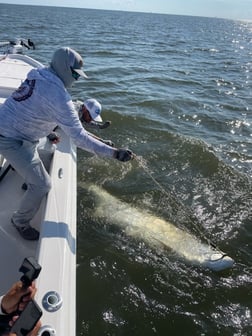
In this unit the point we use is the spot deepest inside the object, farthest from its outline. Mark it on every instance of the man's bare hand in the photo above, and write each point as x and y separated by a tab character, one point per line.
18	297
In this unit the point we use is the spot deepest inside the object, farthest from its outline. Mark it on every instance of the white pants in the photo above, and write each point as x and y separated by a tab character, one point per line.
24	158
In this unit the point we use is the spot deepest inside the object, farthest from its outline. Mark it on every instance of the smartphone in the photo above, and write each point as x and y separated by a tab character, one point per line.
27	319
30	269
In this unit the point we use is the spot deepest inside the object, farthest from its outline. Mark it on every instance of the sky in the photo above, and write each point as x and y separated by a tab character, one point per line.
231	9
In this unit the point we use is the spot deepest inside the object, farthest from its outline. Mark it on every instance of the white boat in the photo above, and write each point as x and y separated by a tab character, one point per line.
56	220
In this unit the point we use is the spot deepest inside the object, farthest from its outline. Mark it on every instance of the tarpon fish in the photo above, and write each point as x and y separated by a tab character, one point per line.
157	232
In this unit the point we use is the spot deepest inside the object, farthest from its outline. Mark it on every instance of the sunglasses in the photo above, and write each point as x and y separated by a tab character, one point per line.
75	74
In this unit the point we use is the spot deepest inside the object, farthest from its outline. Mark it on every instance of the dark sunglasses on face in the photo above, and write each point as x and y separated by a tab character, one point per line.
75	74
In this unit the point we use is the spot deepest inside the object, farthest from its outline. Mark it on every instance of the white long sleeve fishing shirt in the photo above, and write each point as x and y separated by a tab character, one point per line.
38	106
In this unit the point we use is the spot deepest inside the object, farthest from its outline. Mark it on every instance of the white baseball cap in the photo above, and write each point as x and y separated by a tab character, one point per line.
94	108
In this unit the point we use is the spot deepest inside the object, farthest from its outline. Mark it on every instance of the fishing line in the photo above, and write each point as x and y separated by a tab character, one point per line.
143	164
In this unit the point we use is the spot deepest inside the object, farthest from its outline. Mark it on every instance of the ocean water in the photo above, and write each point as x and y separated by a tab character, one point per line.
178	92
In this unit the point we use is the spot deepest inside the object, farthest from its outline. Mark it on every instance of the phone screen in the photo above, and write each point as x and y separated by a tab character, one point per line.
27	319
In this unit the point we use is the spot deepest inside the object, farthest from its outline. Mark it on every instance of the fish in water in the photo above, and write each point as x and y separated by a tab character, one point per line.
157	232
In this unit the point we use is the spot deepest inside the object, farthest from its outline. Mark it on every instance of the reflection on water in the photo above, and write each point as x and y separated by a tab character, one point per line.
178	92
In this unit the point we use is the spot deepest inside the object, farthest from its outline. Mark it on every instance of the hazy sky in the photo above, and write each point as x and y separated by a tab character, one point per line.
233	9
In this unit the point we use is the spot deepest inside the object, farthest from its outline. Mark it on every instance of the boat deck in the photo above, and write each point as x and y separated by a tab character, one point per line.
13	70
13	248
56	248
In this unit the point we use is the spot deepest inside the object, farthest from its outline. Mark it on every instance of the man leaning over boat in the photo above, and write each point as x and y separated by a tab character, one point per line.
40	104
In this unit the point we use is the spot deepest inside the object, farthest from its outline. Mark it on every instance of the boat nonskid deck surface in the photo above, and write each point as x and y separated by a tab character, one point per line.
13	70
56	248
13	247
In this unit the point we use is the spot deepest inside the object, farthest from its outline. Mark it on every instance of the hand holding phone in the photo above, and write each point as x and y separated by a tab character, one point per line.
27	319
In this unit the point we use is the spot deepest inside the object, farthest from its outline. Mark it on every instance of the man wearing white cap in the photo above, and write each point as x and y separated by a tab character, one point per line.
31	112
93	107
90	115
